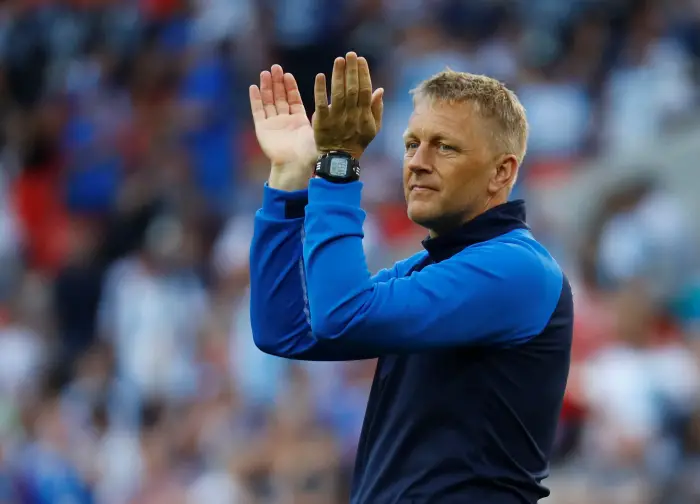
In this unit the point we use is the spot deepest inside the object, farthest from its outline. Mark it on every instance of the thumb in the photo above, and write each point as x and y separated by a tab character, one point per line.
378	106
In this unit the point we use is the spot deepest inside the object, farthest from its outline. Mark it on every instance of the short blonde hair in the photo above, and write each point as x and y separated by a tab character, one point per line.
491	98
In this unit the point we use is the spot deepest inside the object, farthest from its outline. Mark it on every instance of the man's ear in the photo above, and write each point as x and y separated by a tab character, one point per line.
506	174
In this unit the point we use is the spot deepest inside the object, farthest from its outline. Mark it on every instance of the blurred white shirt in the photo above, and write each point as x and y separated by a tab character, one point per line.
554	133
216	488
217	20
641	98
652	241
120	465
154	322
22	353
627	390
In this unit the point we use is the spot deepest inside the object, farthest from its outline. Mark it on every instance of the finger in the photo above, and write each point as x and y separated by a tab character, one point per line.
338	87
268	99
364	98
378	107
296	106
352	86
256	104
278	90
321	98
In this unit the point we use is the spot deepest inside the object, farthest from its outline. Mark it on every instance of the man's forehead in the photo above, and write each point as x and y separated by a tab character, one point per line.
440	119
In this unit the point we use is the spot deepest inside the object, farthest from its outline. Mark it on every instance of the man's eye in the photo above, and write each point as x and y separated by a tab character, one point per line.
445	147
411	145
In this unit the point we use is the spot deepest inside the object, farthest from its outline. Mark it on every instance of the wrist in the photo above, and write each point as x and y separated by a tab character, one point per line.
355	153
290	178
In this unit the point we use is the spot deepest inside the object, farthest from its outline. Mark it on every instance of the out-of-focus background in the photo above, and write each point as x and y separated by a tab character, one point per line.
129	178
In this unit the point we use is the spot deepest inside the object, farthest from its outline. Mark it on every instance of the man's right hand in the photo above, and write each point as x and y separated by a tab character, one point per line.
283	130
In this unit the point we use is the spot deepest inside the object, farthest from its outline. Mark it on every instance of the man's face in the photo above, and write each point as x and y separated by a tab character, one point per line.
449	164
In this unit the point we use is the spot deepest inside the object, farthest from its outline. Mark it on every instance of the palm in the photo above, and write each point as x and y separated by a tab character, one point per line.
281	125
286	139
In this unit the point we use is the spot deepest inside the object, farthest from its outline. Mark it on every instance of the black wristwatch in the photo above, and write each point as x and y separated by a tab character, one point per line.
338	166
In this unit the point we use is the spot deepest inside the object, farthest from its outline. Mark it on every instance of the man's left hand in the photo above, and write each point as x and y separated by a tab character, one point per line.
354	117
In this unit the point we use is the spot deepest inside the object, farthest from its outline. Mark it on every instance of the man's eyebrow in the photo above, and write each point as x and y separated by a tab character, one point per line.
443	136
438	135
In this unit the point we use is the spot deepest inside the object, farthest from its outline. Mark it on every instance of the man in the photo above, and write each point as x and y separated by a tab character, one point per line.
473	334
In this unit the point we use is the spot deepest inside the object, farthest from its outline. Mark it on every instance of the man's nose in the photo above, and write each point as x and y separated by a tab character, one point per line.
422	160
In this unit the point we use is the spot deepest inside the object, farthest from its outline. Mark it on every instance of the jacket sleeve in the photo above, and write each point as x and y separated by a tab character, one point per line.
500	292
279	308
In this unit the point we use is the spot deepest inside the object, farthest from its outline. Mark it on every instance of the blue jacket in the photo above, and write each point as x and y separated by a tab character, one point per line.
473	337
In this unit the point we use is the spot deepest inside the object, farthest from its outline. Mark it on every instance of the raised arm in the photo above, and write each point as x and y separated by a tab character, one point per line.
279	297
279	308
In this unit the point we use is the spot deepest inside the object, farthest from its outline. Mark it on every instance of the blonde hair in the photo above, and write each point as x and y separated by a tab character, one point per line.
491	98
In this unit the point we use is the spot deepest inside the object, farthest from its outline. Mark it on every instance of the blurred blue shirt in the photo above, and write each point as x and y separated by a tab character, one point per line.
207	84
51	479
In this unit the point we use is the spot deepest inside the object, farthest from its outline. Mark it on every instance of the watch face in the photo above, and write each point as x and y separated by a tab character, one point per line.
338	167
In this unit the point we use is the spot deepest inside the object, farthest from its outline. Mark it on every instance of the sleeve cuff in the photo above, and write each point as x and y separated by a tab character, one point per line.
323	191
284	204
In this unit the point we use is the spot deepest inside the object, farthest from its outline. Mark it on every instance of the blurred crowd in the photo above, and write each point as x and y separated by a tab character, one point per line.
129	176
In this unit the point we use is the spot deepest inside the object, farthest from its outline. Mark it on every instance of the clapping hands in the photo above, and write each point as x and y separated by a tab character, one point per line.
349	123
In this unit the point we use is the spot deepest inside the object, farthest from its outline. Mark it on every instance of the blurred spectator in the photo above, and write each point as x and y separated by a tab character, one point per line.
23	351
634	388
153	306
650	83
304	461
645	234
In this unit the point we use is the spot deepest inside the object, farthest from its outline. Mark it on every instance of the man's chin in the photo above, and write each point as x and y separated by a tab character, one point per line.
433	219
421	216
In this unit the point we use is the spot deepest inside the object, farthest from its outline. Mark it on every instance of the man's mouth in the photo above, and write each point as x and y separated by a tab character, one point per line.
421	188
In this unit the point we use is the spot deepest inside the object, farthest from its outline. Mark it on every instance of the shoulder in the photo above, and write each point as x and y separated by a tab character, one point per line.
524	279
516	256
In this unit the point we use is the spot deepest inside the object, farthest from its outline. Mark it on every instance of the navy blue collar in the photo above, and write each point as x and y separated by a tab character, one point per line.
494	222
